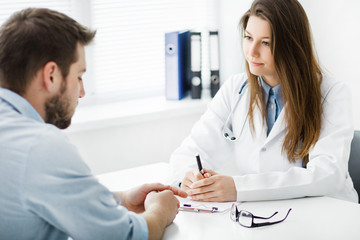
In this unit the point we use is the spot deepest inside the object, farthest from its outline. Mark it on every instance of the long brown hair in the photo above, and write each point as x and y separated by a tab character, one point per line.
298	71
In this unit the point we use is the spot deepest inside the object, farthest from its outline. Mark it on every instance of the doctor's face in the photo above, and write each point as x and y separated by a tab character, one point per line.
257	50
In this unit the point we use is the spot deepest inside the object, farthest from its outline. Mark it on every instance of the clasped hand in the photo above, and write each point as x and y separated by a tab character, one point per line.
210	187
157	204
134	198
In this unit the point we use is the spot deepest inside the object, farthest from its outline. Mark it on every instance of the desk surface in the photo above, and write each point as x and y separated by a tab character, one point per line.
310	218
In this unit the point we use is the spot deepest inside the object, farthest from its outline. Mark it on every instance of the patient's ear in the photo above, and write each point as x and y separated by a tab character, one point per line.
49	74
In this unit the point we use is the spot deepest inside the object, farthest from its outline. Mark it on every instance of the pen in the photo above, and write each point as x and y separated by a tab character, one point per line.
201	170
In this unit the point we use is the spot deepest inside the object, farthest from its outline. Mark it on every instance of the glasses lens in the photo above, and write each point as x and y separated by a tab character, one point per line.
245	218
233	212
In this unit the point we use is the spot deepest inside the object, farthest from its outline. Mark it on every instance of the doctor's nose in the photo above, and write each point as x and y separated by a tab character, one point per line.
253	50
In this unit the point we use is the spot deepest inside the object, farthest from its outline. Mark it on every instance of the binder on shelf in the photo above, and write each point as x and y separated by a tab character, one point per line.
195	47
177	64
214	62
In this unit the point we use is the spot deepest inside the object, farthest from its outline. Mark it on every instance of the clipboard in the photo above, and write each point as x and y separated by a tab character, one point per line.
199	208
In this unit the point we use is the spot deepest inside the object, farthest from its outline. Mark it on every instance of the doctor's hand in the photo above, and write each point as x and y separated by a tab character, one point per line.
134	198
193	176
216	188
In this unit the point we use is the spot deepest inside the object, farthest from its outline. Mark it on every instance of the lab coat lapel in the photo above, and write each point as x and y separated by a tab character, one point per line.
260	127
278	128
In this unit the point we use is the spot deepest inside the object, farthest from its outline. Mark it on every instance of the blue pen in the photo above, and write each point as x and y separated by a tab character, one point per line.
201	170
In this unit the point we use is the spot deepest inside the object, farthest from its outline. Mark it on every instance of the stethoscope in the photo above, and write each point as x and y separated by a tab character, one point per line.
227	130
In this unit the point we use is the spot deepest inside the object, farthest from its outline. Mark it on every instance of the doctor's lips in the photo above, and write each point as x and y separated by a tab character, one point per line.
255	63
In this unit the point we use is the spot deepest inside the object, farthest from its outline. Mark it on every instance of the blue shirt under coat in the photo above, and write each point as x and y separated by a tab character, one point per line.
275	101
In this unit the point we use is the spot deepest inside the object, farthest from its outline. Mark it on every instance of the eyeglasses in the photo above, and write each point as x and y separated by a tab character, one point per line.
246	219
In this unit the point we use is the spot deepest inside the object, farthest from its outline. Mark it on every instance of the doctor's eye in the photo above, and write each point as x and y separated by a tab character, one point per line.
266	43
247	37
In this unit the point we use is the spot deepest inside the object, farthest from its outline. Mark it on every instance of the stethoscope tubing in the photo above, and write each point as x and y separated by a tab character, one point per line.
227	132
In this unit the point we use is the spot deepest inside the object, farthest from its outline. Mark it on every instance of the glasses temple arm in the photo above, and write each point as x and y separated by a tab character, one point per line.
271	223
265	217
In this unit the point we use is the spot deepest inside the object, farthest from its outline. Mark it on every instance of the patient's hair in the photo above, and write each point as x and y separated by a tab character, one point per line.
298	71
31	38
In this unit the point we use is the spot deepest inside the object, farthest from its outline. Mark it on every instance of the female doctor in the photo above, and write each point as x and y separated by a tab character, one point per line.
286	126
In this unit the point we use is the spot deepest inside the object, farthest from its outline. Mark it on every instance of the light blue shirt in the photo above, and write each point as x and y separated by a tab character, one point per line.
47	191
274	103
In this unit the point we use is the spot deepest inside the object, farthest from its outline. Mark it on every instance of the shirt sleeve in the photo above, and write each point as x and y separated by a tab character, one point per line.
60	189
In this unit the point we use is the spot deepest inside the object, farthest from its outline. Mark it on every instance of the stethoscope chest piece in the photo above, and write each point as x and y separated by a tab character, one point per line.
226	135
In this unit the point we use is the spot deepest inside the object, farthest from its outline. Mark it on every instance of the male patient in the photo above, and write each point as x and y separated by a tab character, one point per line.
47	191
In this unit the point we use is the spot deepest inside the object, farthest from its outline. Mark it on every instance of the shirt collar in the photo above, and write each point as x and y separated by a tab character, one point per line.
19	104
277	92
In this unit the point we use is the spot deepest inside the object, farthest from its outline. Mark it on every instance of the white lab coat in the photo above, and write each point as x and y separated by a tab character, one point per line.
262	170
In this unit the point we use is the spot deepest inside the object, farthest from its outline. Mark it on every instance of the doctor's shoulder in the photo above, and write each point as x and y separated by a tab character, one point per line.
228	93
234	83
331	86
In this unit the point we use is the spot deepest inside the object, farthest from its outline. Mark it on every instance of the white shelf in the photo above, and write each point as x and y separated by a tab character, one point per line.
130	112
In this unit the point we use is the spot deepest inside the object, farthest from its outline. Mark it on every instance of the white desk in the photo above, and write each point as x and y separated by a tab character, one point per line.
310	218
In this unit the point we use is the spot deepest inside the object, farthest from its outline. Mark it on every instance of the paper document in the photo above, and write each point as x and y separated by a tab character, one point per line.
206	207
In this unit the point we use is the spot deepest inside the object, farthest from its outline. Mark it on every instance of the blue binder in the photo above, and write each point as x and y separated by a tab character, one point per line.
177	64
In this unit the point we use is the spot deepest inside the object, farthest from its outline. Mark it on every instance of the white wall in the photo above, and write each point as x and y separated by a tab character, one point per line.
132	144
336	33
335	26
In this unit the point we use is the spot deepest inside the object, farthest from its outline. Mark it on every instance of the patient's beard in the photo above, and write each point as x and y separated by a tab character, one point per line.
57	110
